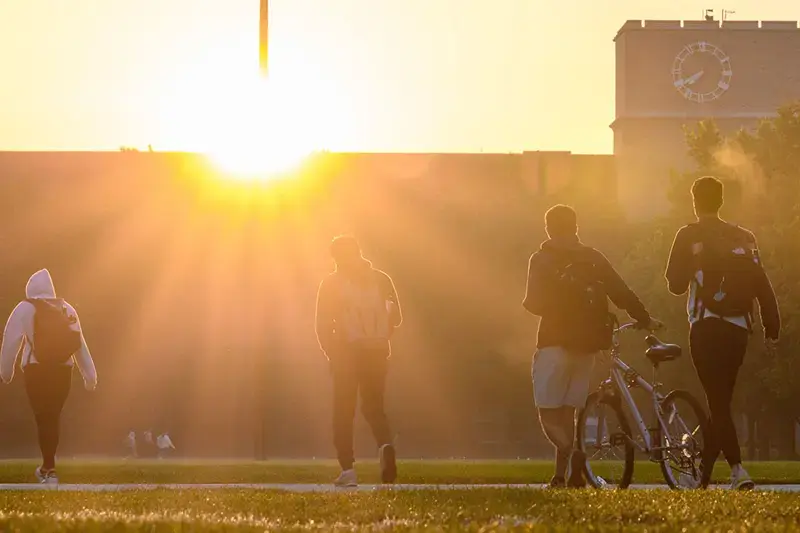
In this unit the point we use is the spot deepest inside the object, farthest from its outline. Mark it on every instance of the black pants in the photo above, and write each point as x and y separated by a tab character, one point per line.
358	370
48	388
718	350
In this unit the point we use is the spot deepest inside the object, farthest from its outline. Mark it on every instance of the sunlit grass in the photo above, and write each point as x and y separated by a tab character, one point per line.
467	510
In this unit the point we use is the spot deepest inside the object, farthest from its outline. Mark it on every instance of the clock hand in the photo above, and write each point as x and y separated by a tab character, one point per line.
691	80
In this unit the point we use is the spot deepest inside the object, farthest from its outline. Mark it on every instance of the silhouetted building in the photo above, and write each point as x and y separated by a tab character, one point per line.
671	73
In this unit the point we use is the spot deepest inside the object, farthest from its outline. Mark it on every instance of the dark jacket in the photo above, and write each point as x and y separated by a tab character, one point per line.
542	301
682	270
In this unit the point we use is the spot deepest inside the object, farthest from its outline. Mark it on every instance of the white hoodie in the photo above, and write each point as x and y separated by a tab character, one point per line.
18	335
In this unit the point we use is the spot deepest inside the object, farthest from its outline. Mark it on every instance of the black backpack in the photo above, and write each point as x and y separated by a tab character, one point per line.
731	271
54	339
581	300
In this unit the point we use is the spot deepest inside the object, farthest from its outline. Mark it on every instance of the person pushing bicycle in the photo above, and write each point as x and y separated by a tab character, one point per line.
569	285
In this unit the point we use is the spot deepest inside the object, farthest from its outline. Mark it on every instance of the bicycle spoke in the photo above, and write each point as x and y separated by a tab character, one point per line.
681	445
606	441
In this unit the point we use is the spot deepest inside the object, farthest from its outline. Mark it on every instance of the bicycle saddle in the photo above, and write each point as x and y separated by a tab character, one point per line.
659	352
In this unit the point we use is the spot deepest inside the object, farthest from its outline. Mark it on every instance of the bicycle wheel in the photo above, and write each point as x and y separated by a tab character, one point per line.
604	435
683	428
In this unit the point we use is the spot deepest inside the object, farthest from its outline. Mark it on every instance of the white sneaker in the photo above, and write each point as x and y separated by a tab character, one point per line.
46	477
346	479
740	479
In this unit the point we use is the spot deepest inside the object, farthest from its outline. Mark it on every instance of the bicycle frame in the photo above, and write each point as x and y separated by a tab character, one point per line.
622	378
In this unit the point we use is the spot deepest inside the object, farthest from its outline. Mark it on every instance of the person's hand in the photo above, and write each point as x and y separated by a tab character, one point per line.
653	325
90	385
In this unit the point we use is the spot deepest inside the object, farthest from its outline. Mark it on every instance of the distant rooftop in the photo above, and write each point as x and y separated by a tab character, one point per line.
661	25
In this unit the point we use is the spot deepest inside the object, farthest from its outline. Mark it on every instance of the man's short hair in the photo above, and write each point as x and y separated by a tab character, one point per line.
345	247
561	221
707	193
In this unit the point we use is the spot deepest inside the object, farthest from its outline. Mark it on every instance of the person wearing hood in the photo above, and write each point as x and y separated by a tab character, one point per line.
569	285
44	334
357	313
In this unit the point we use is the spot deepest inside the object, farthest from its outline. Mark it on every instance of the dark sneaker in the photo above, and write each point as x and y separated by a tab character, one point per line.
576	465
557	482
388	460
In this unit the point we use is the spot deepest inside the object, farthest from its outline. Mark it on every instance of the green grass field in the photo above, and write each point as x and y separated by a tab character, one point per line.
465	510
412	472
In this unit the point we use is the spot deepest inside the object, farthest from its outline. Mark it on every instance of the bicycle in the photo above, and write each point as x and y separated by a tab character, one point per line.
673	443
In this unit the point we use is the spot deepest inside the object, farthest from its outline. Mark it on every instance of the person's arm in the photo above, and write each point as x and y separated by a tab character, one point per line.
535	290
679	265
324	324
13	336
83	358
619	292
767	302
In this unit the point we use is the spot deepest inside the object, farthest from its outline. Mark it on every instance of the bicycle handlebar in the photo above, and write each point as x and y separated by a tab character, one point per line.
633	325
628	325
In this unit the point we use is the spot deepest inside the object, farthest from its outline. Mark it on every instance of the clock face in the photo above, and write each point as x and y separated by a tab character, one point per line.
701	72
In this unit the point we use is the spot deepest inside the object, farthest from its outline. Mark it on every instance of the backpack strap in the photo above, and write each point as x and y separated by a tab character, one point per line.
56	304
561	257
700	236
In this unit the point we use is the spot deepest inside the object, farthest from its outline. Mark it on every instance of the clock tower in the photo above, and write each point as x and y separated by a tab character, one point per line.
672	73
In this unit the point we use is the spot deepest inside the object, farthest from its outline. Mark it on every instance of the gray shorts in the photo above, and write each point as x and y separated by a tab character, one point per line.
561	378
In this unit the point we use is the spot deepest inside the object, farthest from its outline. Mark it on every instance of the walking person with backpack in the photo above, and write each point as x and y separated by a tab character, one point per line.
719	264
46	333
569	285
357	313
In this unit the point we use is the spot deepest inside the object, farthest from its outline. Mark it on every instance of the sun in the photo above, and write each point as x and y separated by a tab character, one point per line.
251	128
259	133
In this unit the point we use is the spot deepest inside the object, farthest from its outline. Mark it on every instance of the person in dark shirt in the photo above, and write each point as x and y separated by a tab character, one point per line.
718	342
563	363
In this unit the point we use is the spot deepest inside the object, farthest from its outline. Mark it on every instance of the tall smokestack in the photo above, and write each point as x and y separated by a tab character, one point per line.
263	34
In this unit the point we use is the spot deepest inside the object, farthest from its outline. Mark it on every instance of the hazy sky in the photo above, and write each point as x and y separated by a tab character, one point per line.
374	75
